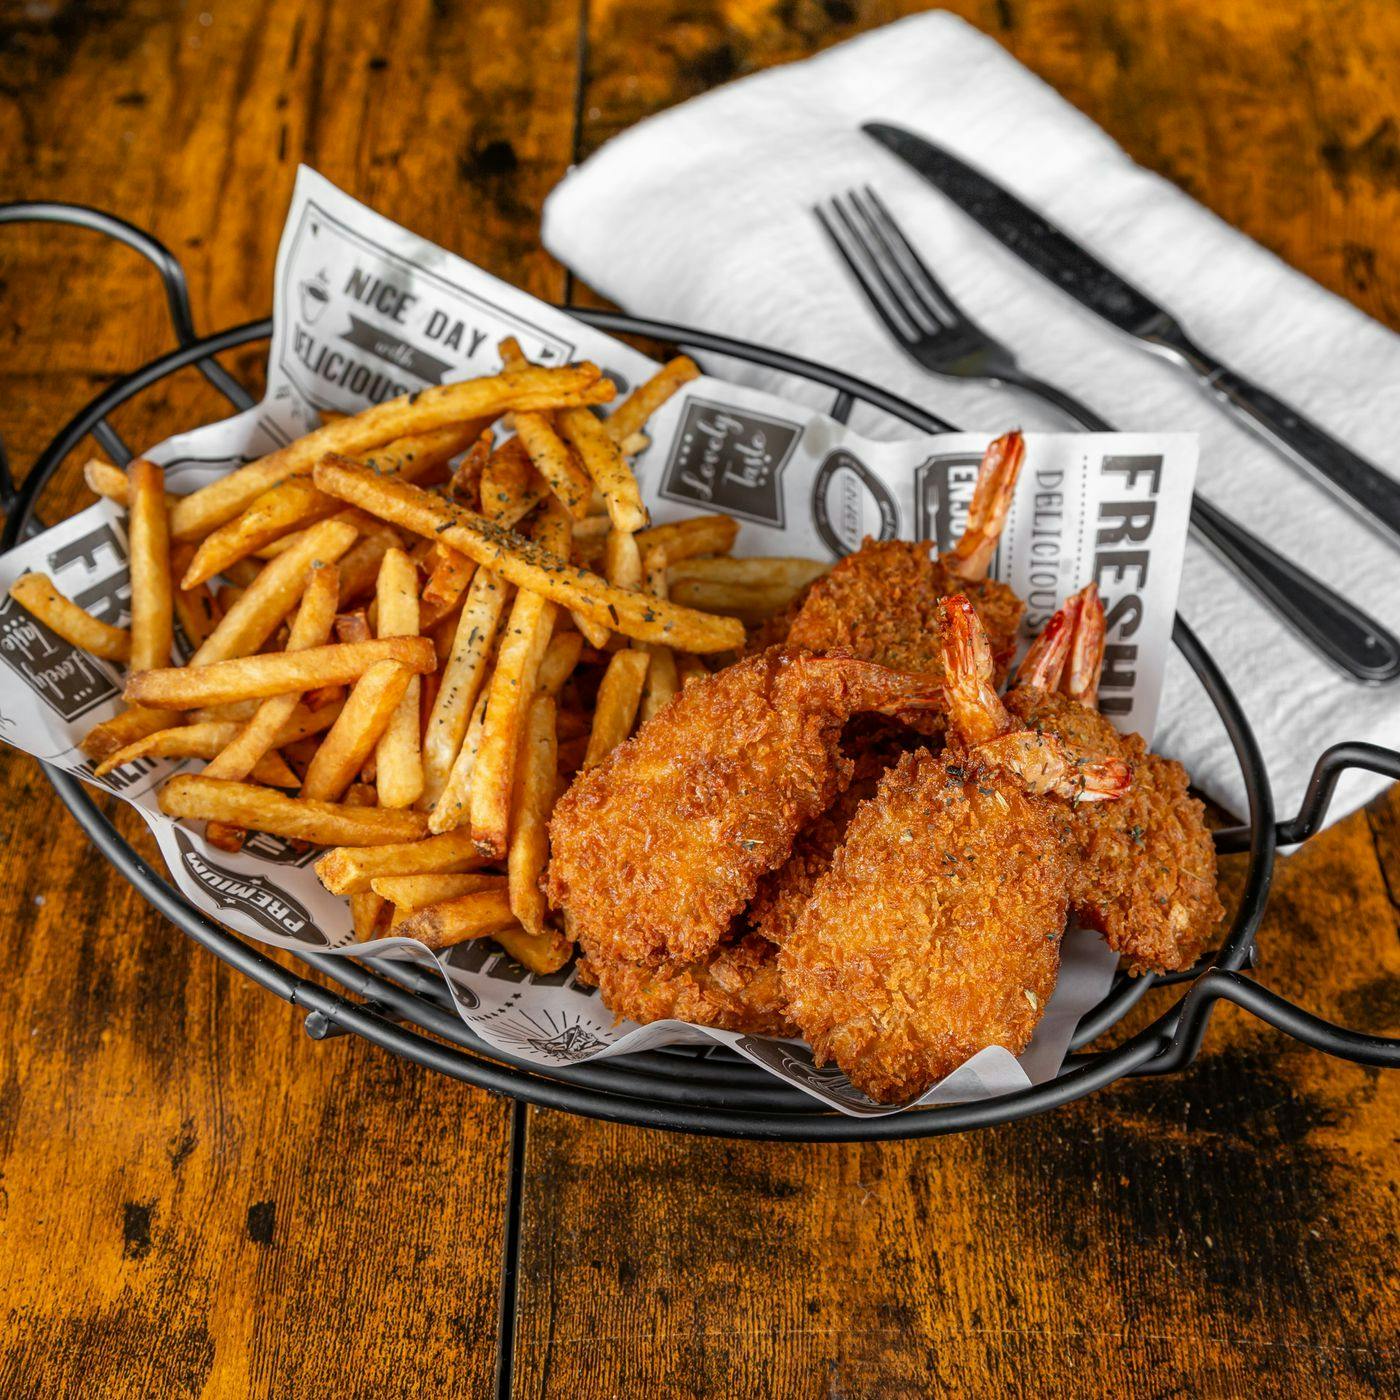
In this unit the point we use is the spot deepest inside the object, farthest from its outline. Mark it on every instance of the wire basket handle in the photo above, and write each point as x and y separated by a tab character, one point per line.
177	301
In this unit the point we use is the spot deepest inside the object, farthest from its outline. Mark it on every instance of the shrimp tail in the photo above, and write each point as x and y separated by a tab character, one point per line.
1081	678
1045	764
974	707
971	557
1044	663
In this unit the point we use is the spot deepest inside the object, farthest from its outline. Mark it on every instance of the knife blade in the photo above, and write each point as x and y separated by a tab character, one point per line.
1051	252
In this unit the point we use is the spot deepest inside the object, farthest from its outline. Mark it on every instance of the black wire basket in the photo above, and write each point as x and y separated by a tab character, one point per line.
409	1012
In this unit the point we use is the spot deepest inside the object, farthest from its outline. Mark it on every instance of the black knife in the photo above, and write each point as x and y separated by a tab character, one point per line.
1057	257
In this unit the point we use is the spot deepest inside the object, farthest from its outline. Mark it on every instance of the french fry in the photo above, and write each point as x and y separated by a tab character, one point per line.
368	710
462	677
634	445
454	921
109	735
348	869
523	643
296	503
622	560
631	414
450	574
453	805
398	756
194	607
472	399
770	572
224	837
260	611
207	738
661	683
604	463
689	668
541	953
619	695
36	594
524	564
243	572
466	480
369	912
750	602
152	609
359	568
510	486
275	673
700	534
592	527
535	791
310	629
410	892
104	479
353	626
196	798
553	458
560	657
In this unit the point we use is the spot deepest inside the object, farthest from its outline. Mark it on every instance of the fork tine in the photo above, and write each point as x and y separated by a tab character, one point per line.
899	329
891	276
935	296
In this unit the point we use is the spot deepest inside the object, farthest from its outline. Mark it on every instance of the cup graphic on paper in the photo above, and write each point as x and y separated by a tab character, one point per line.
314	300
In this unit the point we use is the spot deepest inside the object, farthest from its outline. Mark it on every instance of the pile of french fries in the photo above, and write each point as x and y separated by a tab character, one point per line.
408	629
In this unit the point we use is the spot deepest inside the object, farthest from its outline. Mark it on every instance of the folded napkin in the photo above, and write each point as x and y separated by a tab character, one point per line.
702	215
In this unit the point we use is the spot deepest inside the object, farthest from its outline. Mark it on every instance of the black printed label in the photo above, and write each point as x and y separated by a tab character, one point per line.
254	895
68	681
730	461
850	502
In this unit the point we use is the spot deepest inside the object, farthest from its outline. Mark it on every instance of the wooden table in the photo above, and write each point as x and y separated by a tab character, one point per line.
198	1199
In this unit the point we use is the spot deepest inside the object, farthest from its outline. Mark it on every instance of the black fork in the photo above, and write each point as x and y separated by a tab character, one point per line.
933	330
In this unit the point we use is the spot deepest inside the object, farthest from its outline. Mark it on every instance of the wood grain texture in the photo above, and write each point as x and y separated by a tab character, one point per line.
1229	1232
193	1195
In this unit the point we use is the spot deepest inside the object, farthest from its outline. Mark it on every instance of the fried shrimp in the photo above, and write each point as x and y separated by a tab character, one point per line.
659	847
936	930
1146	876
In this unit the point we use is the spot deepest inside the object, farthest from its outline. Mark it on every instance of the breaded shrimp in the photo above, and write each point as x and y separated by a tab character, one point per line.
736	987
658	848
882	602
936	930
1146	876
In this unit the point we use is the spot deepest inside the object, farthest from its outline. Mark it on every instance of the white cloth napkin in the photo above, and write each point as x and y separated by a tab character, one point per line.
702	215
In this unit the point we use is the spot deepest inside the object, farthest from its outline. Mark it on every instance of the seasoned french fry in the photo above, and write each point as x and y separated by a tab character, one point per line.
555	461
750	602
410	892
462	677
275	673
224	837
619	695
542	953
631	414
260	611
36	594
524	564
207	738
296	503
194	607
466	480
454	921
622	560
560	658
152	609
592	527
310	629
437	407
661	683
770	572
297	818
368	710
348	869
510	486
536	788
604	463
454	802
700	534
448	580
513	682
398	756
109	735
369	912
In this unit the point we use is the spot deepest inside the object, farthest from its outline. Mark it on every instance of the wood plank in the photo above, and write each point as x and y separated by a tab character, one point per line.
1227	1231
195	1197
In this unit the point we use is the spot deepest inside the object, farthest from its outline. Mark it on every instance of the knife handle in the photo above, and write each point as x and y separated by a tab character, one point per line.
1357	483
1341	632
1347	637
